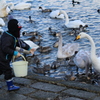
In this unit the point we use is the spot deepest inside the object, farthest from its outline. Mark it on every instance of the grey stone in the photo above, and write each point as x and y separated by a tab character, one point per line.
45	78
71	98
41	95
22	81
83	86
96	98
12	96
48	87
25	90
79	93
29	98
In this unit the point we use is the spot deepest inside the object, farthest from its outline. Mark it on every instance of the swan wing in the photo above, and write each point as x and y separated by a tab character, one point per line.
54	14
75	24
79	62
70	49
22	6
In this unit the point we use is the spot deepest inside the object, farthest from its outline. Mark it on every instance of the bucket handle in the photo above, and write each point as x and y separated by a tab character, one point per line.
21	56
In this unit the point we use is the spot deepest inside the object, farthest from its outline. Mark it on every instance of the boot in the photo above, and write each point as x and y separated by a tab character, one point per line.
10	85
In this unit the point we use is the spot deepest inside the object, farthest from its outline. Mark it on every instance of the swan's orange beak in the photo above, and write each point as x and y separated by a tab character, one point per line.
58	14
77	37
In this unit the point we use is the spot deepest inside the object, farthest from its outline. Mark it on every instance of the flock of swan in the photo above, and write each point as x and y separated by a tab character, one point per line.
82	58
6	8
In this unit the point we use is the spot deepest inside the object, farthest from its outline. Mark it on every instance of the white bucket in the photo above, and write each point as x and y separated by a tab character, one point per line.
20	67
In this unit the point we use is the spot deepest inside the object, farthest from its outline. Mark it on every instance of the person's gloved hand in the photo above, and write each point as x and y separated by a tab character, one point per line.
32	51
18	55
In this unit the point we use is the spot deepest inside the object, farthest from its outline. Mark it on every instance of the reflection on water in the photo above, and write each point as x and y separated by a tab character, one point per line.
85	11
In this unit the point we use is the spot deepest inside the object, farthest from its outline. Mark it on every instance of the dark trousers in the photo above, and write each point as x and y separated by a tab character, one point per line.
6	70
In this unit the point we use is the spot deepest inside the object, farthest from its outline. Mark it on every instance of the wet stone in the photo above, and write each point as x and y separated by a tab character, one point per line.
13	96
78	85
45	78
79	93
25	91
29	98
41	95
22	81
2	84
96	98
71	98
1	77
3	99
48	87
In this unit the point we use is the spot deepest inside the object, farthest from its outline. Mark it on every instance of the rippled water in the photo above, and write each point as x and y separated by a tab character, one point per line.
85	11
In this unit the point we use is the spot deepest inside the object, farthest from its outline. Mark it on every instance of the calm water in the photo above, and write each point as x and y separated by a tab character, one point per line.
85	11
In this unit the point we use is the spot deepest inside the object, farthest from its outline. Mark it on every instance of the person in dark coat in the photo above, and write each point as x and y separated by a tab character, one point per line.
8	42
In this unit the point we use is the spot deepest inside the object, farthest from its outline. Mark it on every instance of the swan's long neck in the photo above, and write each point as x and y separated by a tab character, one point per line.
93	49
66	16
11	5
60	45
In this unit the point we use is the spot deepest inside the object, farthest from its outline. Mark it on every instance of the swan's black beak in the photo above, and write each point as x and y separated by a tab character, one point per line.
77	37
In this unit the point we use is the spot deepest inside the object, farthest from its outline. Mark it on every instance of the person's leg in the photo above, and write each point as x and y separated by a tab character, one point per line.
1	74
10	85
9	79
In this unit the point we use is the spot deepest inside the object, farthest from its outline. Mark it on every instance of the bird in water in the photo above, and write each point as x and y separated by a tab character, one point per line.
75	2
45	10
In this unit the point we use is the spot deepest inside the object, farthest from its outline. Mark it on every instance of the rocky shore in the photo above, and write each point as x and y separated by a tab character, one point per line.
35	87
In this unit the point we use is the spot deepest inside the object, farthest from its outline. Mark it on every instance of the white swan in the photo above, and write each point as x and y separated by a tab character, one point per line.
2	3
20	6
55	14
72	24
2	23
67	50
95	60
82	60
4	11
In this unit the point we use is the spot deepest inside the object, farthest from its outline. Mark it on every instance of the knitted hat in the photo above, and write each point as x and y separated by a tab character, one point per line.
13	28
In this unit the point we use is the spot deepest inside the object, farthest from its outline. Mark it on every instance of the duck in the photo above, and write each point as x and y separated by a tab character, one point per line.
72	24
77	2
36	39
20	6
98	10
53	32
82	60
34	33
67	50
94	58
45	10
44	49
30	19
55	14
55	65
70	77
2	23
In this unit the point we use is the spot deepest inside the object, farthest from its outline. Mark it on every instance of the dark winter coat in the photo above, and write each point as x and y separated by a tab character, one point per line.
8	45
